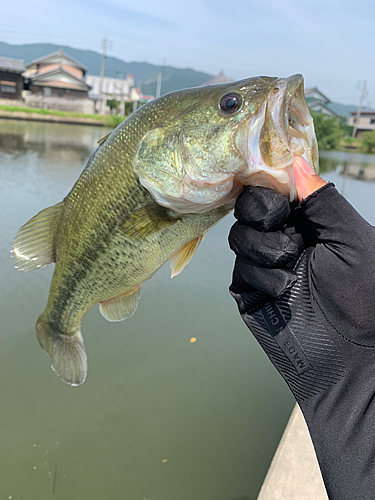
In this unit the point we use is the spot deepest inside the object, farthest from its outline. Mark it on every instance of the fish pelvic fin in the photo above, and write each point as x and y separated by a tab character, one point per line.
121	307
69	360
33	247
182	258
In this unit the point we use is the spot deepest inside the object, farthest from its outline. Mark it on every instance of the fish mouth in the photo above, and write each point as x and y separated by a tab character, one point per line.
280	130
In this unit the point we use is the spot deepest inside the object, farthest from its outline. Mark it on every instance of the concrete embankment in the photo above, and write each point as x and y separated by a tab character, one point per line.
35	117
294	472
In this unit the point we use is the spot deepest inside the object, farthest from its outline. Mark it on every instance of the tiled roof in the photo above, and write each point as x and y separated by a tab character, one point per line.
59	52
15	65
363	113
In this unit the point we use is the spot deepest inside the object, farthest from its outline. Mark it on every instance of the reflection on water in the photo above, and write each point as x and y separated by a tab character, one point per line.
353	175
67	142
158	418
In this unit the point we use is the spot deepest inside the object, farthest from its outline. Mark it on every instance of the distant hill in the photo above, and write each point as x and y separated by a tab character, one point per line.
145	74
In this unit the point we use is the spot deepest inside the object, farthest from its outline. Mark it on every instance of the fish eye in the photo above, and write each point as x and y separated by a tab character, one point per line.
230	103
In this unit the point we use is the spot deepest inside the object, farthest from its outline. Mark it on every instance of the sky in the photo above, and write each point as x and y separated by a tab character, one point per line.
330	42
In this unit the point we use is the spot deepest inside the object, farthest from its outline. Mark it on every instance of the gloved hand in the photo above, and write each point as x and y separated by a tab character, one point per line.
304	282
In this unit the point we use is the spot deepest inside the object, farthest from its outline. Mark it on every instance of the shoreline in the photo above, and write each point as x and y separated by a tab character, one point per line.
35	117
294	471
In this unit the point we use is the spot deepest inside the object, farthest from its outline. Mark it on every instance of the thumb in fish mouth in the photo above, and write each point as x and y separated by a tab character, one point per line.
307	181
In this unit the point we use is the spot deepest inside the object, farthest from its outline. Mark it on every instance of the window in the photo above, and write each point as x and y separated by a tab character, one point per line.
8	87
372	121
47	91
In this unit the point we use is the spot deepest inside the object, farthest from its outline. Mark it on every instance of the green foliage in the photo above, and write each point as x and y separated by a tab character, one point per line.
112	121
113	105
349	140
368	141
108	120
347	129
50	112
328	130
128	108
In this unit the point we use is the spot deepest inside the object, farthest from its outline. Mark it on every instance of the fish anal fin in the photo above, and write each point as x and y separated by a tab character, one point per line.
69	360
33	246
121	307
182	258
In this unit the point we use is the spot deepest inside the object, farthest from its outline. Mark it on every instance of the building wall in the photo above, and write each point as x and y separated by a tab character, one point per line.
112	87
365	121
60	103
58	92
6	91
45	68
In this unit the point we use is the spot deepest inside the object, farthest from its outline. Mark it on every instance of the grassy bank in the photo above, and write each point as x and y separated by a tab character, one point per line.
106	121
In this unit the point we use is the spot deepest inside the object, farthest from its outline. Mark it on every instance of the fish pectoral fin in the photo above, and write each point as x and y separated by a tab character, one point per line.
182	258
146	221
121	307
33	246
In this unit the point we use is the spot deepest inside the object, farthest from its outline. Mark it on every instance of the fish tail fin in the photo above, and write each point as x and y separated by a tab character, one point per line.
69	360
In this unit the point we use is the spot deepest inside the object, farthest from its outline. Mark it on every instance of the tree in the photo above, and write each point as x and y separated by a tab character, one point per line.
328	131
113	105
368	141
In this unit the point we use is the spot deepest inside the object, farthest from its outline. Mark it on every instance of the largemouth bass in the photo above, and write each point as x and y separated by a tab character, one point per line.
151	191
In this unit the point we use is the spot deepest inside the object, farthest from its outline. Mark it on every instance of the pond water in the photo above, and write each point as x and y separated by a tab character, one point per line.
159	418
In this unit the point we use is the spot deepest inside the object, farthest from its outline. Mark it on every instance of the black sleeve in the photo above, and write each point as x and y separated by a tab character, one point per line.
316	323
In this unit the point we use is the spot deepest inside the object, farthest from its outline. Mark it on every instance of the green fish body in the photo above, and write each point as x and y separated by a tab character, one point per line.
110	233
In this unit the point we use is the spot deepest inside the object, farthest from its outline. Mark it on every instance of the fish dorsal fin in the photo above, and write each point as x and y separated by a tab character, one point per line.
103	139
147	220
122	306
33	246
182	258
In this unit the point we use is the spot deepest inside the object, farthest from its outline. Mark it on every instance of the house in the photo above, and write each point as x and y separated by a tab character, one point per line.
136	94
107	88
319	102
58	75
11	80
113	88
366	122
57	81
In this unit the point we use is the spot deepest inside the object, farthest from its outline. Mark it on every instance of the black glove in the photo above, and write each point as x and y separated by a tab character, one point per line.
304	282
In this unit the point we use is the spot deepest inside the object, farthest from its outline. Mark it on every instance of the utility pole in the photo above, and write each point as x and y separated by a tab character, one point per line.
358	115
159	80
122	97
106	45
